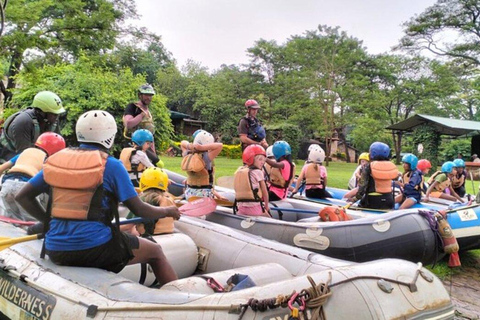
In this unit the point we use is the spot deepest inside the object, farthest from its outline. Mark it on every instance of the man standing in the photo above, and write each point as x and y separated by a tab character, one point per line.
475	158
22	128
250	129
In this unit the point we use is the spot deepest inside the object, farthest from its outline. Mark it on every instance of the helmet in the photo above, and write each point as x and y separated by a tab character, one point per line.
317	155
48	101
252	104
411	159
379	151
459	163
250	152
146	89
448	166
96	126
50	142
424	164
203	137
313	146
270	152
280	149
196	132
153	177
364	156
141	136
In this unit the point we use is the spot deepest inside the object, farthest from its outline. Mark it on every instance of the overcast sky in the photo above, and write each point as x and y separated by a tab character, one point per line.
215	32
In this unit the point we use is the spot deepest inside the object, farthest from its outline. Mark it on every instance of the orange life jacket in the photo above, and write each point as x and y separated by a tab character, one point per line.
312	175
29	162
197	174
126	158
242	184
383	172
159	199
76	178
276	177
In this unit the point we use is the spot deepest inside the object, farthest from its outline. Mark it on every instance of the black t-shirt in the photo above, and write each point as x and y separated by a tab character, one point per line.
132	110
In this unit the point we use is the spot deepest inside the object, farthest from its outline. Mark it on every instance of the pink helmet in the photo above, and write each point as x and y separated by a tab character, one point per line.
253	104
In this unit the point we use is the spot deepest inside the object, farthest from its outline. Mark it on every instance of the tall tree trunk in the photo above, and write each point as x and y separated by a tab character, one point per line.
13	70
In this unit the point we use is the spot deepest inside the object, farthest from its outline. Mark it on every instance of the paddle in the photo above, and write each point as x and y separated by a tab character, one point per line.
219	202
199	207
21	222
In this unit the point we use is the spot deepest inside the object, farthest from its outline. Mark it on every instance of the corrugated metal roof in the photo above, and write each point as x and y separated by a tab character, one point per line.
178	115
447	126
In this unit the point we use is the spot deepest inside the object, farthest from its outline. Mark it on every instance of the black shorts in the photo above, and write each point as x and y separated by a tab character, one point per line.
317	193
112	256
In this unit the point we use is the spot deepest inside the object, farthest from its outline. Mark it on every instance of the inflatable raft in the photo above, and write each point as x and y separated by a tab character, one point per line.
269	280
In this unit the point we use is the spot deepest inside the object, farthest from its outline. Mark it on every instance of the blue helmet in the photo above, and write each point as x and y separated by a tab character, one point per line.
448	166
459	163
379	151
280	149
141	136
411	159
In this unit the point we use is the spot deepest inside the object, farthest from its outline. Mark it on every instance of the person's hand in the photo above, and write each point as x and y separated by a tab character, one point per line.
264	144
173	212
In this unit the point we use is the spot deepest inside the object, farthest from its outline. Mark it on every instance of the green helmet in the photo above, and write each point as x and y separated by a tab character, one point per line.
48	101
146	89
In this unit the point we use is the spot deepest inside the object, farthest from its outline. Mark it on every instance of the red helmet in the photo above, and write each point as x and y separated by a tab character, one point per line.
50	142
252	104
424	164
250	152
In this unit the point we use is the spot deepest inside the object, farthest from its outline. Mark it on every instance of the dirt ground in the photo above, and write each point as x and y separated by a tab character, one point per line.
464	289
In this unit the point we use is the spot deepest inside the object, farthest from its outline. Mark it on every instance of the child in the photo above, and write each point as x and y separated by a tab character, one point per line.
458	180
375	188
442	180
363	159
23	167
315	176
424	166
153	185
412	182
198	164
282	171
135	158
251	195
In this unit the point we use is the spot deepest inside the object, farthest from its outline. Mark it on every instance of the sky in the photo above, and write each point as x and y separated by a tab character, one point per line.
216	32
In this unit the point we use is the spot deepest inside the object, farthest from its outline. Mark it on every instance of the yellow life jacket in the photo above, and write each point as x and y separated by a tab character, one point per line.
441	186
197	173
312	175
457	182
383	172
159	199
126	158
242	184
267	169
29	162
277	180
76	178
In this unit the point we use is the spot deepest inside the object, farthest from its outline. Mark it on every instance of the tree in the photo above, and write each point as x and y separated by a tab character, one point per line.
451	19
61	29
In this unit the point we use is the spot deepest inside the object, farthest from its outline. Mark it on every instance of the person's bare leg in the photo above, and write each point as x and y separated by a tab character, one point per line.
152	253
408	203
350	193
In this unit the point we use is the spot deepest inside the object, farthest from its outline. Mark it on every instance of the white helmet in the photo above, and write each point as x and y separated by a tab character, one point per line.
96	126
317	155
270	152
203	137
313	146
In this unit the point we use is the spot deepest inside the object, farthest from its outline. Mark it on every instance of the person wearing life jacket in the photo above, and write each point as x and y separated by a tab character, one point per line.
375	188
137	115
198	164
412	182
267	169
251	195
458	180
424	167
363	159
23	167
249	128
86	184
282	172
22	129
314	175
442	180
135	158
153	187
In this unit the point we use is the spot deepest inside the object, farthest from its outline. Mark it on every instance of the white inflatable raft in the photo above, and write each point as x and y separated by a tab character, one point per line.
206	255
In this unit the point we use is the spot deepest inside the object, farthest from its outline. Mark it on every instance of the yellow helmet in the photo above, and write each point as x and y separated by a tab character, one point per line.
153	178
364	156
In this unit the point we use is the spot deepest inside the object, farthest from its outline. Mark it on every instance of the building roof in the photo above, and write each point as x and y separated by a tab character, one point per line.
446	126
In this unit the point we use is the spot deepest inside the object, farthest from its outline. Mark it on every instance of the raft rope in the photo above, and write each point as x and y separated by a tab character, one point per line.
432	222
313	297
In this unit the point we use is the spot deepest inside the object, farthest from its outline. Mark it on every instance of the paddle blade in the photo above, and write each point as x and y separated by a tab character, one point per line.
219	202
198	207
20	222
7	242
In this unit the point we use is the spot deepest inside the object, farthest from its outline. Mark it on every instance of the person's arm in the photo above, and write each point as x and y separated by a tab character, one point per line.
213	149
145	210
21	132
274	163
26	197
430	189
263	187
362	185
5	166
246	140
299	180
129	120
142	156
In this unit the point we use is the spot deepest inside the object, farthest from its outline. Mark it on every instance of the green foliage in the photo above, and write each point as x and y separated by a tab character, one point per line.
231	151
83	86
451	148
287	132
430	139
